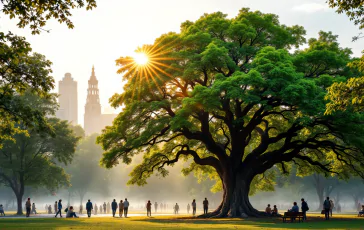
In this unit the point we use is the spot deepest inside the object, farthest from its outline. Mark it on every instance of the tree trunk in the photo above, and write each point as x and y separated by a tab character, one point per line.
19	199
235	201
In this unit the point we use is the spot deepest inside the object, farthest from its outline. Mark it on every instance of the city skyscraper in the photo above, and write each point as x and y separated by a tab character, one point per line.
92	117
68	100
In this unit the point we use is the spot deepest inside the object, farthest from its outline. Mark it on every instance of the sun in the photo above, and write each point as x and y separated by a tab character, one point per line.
141	58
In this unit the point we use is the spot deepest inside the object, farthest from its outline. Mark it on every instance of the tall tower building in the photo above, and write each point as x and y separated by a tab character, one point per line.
68	101
92	119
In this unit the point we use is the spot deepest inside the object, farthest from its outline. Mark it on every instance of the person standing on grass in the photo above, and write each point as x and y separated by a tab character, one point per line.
108	207
332	205
114	206
59	209
104	206
149	208
126	207
205	206
194	207
28	206
49	209
34	209
121	208
304	208
95	209
55	207
327	207
188	208
155	206
89	208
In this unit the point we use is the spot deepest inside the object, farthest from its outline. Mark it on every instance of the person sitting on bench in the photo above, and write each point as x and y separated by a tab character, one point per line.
275	210
295	208
361	212
268	210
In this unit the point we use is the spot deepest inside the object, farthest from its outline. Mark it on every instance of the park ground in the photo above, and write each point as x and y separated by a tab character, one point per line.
180	222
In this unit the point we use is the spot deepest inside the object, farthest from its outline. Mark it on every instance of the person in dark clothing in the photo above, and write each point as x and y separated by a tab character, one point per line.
327	207
28	206
89	208
149	208
126	207
114	206
104	206
59	208
304	208
194	207
205	206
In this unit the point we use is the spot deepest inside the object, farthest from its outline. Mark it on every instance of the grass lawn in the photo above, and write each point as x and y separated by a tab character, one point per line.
166	223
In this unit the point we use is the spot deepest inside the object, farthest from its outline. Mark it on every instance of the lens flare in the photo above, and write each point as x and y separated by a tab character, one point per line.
141	58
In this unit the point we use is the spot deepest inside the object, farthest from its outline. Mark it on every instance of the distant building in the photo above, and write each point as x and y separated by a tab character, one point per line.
94	121
68	101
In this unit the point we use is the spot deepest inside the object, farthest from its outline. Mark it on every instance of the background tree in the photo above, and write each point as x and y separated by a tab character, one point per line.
30	160
86	173
354	9
36	13
228	94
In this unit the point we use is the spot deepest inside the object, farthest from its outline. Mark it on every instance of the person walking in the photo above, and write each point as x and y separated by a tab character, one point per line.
89	208
121	208
332	205
59	209
188	208
304	208
149	208
100	209
327	207
34	209
104	206
126	207
49	209
95	209
28	206
114	206
194	207
205	206
55	207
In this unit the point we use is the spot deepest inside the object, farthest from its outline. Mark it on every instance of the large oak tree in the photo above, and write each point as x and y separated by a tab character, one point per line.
229	95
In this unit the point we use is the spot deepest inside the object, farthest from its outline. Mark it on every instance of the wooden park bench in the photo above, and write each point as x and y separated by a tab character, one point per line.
293	216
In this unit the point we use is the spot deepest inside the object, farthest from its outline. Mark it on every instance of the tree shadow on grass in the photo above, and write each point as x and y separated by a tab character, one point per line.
313	223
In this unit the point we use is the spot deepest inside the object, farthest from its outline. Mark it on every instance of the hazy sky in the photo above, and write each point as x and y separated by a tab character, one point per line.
116	27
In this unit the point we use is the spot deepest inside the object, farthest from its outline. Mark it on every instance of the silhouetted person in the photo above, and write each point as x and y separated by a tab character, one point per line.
332	205
114	206
126	207
2	211
121	208
55	207
100	209
149	208
28	206
155	206
205	206
327	207
89	208
294	208
193	207
50	209
59	208
34	209
304	208
96	209
188	208
275	210
176	209
104	206
108	207
268	210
